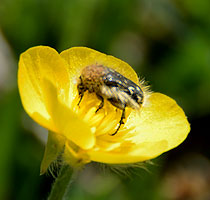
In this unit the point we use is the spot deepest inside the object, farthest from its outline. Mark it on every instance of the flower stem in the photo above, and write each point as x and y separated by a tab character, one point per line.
61	187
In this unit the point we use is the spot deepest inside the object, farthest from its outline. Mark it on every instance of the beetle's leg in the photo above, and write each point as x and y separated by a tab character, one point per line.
101	104
120	122
81	89
81	96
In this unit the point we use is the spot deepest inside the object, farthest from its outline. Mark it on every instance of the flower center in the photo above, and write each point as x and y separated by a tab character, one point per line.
103	122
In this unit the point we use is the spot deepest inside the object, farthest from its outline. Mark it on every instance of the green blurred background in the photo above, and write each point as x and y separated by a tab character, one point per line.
165	41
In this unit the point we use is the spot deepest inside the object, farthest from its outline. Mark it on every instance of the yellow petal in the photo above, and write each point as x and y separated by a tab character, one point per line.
54	147
36	64
160	126
67	122
160	119
137	153
80	57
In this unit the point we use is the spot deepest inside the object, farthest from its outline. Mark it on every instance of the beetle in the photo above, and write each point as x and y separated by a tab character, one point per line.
109	84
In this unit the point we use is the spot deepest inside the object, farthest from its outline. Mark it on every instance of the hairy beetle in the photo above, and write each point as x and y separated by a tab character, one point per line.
108	84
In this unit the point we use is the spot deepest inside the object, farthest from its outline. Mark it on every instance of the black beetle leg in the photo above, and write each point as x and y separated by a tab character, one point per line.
81	96
81	89
101	104
120	122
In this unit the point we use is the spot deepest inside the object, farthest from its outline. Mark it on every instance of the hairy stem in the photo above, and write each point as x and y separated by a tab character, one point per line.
62	185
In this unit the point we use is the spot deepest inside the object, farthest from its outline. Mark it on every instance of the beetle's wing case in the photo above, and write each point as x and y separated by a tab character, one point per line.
115	79
123	85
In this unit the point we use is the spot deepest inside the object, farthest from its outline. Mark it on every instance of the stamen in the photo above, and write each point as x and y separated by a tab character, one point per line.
104	123
105	120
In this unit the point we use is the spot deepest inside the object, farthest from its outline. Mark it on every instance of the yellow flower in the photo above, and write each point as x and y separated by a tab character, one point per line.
47	84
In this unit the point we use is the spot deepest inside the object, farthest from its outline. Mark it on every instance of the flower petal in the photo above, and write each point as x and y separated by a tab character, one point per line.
36	64
137	153
160	119
160	126
67	122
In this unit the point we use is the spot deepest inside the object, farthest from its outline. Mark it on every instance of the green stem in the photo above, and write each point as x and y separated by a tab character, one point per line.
61	187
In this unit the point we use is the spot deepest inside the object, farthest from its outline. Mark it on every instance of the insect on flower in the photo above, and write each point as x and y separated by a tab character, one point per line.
78	135
108	84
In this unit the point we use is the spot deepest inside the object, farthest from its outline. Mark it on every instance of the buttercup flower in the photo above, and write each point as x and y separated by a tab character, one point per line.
47	84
